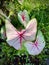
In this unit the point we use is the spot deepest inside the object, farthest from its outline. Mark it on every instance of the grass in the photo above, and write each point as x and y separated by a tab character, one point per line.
36	8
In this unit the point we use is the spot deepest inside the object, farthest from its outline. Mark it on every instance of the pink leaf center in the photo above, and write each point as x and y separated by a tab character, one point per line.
20	34
23	17
36	44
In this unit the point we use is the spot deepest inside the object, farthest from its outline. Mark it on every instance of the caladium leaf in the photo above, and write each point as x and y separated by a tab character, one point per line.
35	48
23	17
15	37
11	31
15	42
31	30
20	1
12	35
3	33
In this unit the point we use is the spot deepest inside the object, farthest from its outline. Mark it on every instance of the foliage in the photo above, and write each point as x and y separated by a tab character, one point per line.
36	8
